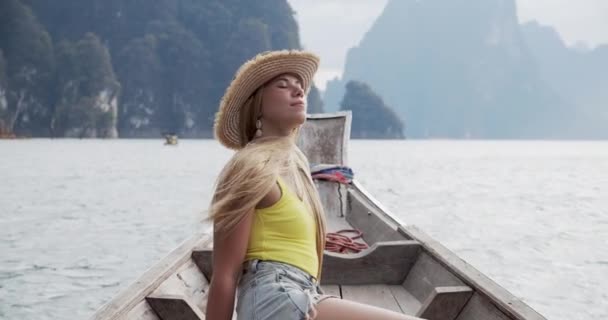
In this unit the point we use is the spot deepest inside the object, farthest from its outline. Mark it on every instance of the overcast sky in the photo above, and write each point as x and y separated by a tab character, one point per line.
327	29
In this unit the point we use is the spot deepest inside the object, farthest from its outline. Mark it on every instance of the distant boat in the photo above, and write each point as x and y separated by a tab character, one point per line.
403	269
8	135
170	139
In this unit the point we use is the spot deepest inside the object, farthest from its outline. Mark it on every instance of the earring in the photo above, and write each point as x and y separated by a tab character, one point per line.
258	127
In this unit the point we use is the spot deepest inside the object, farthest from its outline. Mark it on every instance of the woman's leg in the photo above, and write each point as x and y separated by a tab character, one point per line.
337	309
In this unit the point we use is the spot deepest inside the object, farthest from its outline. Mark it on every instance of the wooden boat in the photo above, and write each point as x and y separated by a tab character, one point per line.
403	269
170	139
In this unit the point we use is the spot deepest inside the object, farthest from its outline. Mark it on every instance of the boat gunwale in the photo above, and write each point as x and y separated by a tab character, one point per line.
503	299
358	187
136	292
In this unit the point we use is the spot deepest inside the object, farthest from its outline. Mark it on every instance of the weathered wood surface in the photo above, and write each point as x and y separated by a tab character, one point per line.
172	307
383	211
124	302
187	281
407	302
426	275
384	262
334	198
445	303
324	137
365	216
378	295
481	308
332	289
514	307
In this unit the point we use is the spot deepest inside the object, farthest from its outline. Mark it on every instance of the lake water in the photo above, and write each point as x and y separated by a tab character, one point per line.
81	219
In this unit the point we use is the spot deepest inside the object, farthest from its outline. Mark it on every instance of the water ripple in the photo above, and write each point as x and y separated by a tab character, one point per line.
82	219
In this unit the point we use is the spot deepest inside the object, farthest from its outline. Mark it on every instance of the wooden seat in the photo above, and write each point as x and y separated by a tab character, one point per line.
386	262
407	302
391	297
445	303
379	295
440	294
429	291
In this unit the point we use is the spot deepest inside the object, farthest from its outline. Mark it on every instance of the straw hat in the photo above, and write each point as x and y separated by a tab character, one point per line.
250	76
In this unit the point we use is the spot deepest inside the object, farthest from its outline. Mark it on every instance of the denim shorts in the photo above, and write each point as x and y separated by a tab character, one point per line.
274	290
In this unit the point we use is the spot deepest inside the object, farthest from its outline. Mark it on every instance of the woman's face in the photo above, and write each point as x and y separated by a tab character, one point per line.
283	105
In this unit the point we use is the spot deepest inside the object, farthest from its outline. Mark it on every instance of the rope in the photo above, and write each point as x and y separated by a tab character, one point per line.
338	241
341	243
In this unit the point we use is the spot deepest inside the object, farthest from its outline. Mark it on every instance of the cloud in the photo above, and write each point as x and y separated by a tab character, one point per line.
330	27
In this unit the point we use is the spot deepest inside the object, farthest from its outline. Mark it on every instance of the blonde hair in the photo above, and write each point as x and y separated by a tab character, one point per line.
253	171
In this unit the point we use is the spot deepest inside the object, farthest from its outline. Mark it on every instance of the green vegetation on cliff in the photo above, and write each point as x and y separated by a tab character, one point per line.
372	119
98	68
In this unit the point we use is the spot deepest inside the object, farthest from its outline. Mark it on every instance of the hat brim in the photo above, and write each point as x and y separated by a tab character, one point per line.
250	76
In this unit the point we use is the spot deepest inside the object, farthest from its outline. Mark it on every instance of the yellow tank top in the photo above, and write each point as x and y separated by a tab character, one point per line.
285	232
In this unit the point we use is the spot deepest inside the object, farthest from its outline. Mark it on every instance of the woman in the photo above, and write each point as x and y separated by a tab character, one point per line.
269	226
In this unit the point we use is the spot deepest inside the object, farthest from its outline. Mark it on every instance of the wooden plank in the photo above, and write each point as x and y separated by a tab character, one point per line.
171	307
426	275
324	137
445	303
141	311
334	198
509	304
336	223
196	285
151	279
378	295
406	301
369	217
332	289
481	308
188	281
385	262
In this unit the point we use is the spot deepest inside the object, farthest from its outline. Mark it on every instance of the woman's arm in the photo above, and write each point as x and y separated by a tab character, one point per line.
228	255
229	252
